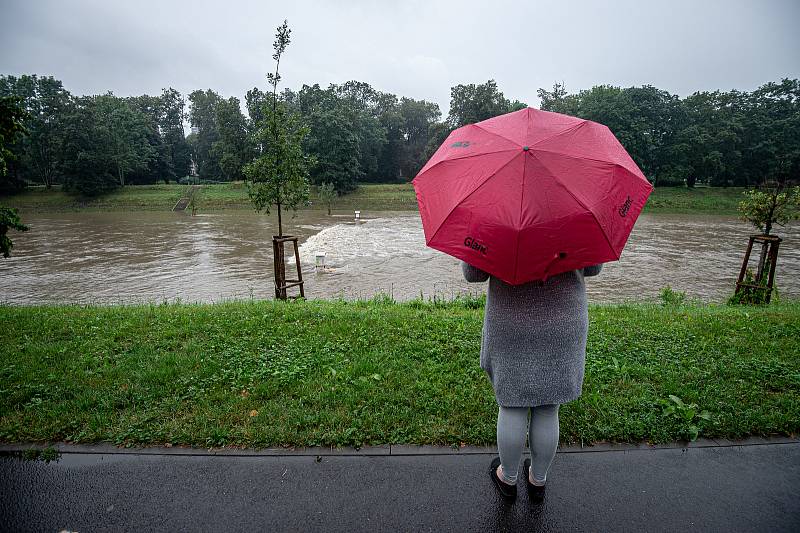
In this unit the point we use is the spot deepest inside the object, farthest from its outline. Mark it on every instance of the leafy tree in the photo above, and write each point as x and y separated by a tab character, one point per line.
437	133
9	219
393	149
202	117
390	134
417	117
699	137
770	118
709	143
222	142
327	194
47	104
332	136
559	100
165	115
366	110
233	149
334	143
774	204
254	101
361	134
278	176
159	166
107	139
473	103
86	172
171	129
654	129
12	130
125	132
11	116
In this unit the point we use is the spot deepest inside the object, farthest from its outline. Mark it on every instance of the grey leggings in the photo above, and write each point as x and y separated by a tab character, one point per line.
512	425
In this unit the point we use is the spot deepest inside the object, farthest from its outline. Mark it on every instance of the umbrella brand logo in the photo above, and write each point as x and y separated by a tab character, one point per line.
460	144
625	207
469	242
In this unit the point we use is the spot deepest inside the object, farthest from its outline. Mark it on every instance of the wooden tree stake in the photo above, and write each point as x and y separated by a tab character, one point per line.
279	253
771	242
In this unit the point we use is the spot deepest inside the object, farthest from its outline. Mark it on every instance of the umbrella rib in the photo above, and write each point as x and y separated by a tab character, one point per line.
490	176
466	157
562	154
519	230
496	134
562	132
521	196
580	202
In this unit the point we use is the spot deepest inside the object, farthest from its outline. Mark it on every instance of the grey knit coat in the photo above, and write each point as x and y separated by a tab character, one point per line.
533	346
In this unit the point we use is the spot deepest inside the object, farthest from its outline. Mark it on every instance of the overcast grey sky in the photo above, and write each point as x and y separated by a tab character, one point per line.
407	47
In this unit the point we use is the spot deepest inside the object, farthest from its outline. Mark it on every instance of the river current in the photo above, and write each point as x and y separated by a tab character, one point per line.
155	257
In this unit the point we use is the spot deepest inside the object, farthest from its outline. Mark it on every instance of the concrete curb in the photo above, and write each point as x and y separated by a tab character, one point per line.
382	450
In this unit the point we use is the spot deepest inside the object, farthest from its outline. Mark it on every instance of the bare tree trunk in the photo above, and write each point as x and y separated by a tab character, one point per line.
43	169
761	261
280	224
767	229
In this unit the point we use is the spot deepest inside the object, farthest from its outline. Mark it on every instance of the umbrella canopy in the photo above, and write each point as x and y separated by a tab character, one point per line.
530	194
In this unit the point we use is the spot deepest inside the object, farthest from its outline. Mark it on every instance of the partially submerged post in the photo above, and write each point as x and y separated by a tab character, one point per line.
319	261
278	176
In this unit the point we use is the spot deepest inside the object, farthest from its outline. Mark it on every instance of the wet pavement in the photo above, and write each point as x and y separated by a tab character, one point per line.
713	488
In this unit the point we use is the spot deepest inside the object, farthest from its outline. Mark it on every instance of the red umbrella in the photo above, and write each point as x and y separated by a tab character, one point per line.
530	194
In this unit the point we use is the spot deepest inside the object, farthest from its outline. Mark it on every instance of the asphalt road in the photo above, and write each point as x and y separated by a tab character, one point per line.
735	488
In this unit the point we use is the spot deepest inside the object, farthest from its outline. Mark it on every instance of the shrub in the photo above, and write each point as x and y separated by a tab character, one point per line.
672	297
753	295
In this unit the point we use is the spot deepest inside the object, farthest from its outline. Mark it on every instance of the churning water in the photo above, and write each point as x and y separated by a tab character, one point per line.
135	257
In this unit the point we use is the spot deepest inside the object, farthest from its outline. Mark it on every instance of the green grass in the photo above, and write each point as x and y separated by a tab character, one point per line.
352	373
708	200
368	197
130	198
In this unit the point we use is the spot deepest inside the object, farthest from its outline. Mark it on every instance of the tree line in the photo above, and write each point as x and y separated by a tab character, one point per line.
356	133
93	144
722	138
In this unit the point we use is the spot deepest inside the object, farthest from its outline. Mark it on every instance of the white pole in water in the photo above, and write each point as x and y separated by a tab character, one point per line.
319	263
358	216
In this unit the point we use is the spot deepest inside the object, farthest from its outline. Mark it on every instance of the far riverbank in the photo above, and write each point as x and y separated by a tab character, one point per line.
368	197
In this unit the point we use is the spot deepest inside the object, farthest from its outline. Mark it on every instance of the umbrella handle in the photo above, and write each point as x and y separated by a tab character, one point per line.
556	257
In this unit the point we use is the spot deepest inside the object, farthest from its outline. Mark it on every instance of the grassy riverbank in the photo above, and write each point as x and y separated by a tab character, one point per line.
370	197
349	373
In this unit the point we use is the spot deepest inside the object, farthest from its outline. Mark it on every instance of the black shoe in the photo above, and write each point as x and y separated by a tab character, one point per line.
535	492
508	491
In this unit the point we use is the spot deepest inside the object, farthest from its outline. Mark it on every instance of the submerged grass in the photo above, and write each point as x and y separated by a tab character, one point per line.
368	197
351	373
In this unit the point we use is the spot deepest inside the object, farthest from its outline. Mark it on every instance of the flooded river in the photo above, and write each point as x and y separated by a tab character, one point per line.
139	257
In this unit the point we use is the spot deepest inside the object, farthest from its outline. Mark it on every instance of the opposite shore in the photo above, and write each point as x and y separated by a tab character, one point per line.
368	197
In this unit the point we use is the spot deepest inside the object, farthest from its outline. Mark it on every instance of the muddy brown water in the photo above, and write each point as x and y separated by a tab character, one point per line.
153	257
